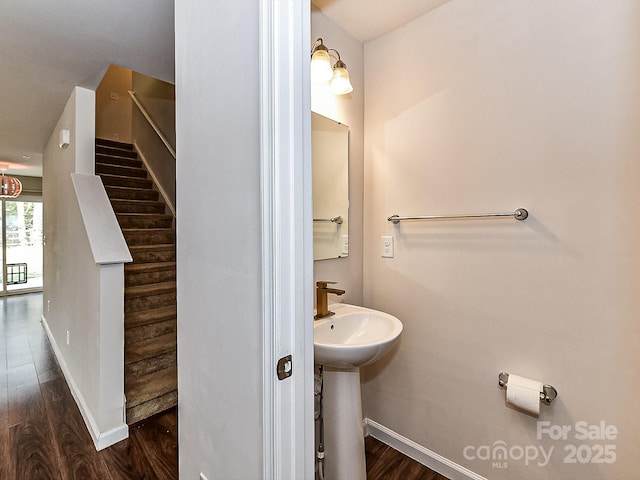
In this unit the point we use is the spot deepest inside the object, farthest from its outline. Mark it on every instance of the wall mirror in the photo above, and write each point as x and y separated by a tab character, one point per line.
330	159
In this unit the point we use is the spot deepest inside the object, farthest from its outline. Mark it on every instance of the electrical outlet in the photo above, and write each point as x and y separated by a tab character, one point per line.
48	305
68	337
387	246
114	96
345	244
116	137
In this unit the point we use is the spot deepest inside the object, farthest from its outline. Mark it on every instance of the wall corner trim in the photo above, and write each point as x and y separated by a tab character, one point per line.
411	449
100	439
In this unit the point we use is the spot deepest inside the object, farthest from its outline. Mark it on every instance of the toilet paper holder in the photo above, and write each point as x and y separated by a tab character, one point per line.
547	394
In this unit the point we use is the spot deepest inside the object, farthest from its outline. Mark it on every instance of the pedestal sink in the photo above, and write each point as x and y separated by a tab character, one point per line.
353	337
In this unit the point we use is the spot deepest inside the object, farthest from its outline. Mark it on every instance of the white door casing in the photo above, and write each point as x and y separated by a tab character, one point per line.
287	238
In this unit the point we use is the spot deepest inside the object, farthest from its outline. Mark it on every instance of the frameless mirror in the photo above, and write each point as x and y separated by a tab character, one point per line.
330	158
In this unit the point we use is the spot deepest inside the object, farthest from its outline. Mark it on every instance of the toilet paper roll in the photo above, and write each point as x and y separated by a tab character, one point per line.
524	393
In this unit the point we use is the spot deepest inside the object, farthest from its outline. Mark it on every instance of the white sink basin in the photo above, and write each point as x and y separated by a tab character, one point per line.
354	336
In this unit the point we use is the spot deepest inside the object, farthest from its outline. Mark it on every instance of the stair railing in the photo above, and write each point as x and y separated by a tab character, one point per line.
152	123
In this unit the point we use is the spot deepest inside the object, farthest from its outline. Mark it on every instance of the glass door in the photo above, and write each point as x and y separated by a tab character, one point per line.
21	246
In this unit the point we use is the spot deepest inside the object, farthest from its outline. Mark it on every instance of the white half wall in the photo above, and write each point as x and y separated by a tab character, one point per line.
491	106
83	299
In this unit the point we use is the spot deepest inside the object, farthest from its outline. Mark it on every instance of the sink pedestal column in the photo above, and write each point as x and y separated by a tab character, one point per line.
343	434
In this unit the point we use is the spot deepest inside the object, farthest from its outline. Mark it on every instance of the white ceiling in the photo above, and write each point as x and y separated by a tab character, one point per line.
369	19
48	47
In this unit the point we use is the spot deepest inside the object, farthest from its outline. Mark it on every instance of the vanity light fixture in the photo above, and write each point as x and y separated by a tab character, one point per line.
321	70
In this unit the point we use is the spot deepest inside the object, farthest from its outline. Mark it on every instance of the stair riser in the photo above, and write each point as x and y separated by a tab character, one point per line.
126	182
160	255
144	278
147	409
116	193
120	161
132	335
144	238
118	152
138	304
128	221
135	207
120	170
106	142
150	365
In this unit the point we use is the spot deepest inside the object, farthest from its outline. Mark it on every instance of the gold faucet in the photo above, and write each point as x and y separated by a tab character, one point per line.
322	303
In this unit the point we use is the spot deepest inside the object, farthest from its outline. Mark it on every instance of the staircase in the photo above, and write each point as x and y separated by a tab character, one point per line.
151	384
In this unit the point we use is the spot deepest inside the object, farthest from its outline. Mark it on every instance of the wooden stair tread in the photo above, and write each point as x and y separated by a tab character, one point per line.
150	386
123	170
148	267
146	181
158	246
147	230
150	289
105	142
135	202
149	348
120	192
161	216
148	409
153	315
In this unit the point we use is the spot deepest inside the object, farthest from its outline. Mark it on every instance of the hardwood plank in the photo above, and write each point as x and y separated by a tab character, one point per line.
126	461
158	438
25	404
78	459
42	433
5	458
18	351
386	463
32	456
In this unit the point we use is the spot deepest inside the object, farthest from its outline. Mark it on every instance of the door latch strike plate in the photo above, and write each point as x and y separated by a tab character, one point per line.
284	367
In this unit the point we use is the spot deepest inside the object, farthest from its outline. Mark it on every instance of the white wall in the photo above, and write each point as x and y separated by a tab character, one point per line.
80	296
491	106
219	239
349	110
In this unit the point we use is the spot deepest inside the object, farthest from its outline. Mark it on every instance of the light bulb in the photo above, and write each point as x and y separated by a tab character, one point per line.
340	84
321	70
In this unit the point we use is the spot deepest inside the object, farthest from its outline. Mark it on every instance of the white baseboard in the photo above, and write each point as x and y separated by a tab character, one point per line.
411	449
100	439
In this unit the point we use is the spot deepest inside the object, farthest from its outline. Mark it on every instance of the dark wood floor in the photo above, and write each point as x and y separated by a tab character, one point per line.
385	463
42	434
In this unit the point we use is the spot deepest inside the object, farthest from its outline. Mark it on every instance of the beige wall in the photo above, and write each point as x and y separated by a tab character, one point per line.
349	110
158	99
113	116
491	106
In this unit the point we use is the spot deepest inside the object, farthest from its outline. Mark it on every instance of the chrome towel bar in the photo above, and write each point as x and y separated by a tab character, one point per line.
519	214
547	394
337	220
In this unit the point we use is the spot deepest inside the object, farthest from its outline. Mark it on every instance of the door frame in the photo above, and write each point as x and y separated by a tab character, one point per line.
287	238
4	287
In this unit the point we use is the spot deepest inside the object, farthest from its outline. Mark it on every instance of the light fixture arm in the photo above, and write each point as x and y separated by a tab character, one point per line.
337	53
318	45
